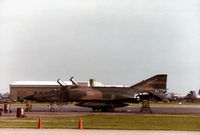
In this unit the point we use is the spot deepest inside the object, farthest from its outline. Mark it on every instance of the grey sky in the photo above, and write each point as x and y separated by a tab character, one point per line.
112	41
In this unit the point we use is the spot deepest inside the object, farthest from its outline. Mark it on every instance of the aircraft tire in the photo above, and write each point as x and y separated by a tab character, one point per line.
104	109
94	109
52	110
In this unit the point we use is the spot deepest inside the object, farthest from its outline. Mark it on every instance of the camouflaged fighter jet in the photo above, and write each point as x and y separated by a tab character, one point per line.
103	97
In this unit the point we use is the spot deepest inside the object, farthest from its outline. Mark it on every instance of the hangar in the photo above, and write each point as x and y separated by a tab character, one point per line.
21	89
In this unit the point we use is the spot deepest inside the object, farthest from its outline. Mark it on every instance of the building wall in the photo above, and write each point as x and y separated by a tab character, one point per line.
17	93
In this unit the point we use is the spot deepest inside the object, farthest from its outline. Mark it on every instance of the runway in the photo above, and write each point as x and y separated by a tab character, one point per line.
91	132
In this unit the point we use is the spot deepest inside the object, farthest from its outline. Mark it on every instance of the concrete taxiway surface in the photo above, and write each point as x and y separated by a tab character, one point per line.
91	132
133	109
43	111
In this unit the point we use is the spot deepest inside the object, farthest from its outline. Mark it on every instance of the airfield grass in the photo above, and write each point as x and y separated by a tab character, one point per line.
123	122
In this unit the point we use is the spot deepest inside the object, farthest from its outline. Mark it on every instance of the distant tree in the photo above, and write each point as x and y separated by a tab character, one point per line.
6	95
1	95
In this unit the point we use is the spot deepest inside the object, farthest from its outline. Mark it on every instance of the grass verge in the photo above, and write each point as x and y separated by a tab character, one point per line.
130	122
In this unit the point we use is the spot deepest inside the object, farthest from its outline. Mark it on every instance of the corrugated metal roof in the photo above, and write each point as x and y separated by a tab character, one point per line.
38	83
55	84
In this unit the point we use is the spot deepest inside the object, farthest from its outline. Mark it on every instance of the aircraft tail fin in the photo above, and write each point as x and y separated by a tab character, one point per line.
157	82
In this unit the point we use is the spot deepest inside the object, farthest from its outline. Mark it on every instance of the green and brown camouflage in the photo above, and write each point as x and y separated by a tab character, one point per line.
105	97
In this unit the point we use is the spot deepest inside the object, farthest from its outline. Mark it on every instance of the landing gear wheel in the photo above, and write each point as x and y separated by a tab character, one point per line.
104	109
52	110
94	109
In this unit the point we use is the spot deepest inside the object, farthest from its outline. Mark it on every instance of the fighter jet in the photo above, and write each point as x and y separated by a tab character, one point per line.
105	98
190	97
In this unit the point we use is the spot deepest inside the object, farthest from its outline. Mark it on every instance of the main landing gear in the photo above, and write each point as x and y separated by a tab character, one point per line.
60	106
103	109
108	108
145	106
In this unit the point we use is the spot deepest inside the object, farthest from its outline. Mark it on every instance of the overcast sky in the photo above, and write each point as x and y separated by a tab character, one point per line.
112	41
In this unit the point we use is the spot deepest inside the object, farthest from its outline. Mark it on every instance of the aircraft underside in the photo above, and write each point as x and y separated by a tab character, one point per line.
101	106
